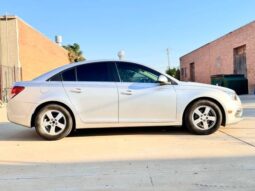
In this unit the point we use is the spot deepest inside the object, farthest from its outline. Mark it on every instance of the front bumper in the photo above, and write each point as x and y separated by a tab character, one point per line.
234	112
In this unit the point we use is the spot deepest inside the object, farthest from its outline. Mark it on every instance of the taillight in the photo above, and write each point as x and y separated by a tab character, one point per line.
16	90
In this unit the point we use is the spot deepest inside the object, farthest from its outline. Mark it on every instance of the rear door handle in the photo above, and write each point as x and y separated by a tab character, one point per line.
76	90
127	92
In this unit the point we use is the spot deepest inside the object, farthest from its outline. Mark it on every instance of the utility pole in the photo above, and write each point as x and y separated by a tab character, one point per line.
168	57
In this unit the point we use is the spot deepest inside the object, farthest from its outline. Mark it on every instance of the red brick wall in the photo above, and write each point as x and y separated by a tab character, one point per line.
37	53
217	56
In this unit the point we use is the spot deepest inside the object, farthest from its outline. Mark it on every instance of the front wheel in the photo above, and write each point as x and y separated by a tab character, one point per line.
203	117
53	122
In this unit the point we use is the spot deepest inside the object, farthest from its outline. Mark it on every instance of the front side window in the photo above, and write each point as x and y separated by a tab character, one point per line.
136	73
95	72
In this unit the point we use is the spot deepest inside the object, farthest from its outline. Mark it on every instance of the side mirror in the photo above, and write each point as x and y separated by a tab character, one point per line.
162	79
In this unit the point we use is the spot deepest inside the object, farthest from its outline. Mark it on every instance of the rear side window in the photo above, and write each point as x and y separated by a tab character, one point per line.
95	72
56	78
69	75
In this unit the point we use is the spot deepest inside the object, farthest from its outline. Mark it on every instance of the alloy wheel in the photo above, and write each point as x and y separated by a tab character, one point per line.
53	122
204	117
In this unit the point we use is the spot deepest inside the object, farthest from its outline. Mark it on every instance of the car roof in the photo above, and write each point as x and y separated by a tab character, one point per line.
47	75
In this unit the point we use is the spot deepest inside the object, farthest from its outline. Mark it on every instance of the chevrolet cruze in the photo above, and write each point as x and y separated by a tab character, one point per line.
95	94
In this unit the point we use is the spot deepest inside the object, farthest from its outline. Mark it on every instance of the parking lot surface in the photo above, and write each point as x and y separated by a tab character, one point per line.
155	158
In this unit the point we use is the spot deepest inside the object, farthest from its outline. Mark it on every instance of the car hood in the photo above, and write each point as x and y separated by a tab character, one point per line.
208	86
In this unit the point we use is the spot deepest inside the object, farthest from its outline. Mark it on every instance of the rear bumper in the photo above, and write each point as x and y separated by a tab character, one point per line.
20	112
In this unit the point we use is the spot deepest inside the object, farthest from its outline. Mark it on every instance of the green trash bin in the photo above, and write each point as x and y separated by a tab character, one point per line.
235	82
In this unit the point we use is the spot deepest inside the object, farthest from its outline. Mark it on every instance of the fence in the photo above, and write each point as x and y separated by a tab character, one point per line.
5	96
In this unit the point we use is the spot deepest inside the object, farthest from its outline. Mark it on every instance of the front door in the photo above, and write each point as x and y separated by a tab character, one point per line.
141	98
93	92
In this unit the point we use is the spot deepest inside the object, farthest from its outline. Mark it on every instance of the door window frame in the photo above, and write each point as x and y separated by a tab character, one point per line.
139	66
110	67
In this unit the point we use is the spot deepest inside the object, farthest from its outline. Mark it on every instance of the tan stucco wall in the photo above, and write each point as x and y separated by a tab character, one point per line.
9	62
37	53
8	42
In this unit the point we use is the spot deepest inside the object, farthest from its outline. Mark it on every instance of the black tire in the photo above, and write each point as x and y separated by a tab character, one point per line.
197	123
66	122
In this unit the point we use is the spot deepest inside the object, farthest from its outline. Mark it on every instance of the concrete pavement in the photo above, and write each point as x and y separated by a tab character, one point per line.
130	159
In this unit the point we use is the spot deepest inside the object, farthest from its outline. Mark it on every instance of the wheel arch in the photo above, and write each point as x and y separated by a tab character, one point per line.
48	103
209	99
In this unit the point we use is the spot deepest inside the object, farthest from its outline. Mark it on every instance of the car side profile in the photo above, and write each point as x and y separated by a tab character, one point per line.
99	94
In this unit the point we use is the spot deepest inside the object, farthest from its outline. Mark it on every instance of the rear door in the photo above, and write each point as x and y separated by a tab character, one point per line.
93	92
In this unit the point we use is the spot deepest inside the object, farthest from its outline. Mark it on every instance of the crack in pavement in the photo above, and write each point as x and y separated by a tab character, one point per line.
152	184
151	180
219	186
236	138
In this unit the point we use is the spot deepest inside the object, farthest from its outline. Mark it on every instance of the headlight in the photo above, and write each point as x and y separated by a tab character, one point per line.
232	95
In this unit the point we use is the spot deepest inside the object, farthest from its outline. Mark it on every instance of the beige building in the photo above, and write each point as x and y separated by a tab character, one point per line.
25	52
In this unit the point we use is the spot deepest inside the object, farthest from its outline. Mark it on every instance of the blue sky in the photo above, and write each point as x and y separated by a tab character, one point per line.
143	28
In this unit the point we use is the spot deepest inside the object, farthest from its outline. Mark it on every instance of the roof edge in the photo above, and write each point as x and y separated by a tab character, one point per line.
9	17
225	35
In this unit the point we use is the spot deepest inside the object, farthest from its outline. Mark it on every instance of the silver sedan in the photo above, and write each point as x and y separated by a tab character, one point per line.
112	93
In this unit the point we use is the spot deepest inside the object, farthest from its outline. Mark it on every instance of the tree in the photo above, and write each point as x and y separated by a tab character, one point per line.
74	52
174	72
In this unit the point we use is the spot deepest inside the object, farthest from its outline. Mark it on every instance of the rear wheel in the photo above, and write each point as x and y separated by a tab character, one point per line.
53	122
203	117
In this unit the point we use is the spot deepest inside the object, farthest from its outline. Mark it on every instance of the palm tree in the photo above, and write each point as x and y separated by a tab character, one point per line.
74	52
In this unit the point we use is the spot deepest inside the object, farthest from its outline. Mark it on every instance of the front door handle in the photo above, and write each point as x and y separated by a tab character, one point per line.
127	92
76	90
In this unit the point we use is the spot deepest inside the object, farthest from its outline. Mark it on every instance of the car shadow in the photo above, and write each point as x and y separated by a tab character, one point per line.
12	132
155	130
